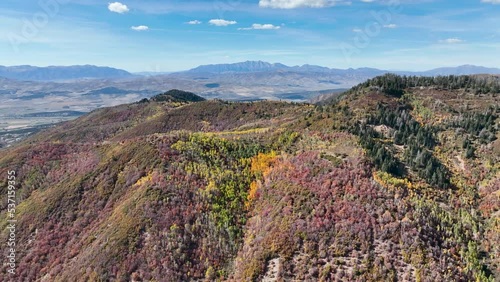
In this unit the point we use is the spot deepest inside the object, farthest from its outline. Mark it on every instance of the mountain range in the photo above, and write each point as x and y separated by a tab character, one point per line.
61	73
58	73
260	66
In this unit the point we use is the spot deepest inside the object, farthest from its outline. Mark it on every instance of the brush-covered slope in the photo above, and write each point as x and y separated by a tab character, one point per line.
396	180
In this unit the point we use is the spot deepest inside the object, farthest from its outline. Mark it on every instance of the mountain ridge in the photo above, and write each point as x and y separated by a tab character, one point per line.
55	73
261	66
82	72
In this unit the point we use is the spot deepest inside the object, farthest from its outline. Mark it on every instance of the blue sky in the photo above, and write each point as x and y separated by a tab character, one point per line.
171	35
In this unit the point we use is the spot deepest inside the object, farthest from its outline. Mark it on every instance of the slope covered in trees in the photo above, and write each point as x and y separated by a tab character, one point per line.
395	180
175	95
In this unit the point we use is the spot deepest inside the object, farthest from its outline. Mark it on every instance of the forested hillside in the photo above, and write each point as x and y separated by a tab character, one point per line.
397	179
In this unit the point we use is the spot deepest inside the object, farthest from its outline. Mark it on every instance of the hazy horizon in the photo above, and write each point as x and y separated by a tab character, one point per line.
156	36
289	65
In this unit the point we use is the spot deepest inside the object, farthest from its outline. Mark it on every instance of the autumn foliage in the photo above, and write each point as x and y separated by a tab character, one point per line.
353	190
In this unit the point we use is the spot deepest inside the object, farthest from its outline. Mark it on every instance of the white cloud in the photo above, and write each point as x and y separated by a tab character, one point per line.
292	4
221	22
367	1
491	1
357	30
194	22
390	26
261	26
451	41
118	7
140	28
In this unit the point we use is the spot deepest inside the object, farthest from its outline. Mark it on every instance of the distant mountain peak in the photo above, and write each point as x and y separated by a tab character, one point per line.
261	66
57	73
247	66
462	70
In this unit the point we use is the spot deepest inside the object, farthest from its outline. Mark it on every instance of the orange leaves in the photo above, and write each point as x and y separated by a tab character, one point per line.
252	194
261	163
261	166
